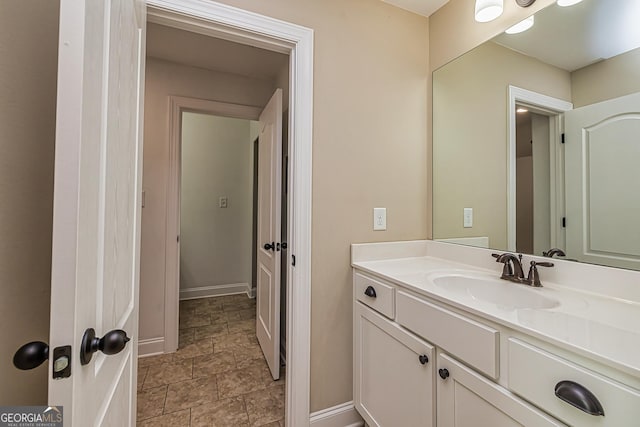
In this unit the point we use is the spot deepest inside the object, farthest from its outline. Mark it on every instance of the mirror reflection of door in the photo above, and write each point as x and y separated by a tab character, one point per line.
532	181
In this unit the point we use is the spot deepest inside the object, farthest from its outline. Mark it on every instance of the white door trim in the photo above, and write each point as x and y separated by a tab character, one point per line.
544	104
178	105
215	19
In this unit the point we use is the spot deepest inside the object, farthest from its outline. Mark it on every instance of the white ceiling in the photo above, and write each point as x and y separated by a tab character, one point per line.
213	54
574	37
421	7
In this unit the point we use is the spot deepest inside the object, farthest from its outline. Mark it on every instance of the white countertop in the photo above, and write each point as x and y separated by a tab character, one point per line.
605	329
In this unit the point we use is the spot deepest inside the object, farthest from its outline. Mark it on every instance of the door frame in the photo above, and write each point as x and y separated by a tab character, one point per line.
241	26
177	106
553	108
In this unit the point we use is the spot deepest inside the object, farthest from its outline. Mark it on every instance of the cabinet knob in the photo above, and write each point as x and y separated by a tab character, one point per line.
579	396
423	358
444	373
370	292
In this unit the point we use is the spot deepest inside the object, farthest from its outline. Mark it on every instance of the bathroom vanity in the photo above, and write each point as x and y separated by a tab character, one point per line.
440	340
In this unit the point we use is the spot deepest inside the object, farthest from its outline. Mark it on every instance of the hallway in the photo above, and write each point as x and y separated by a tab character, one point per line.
218	376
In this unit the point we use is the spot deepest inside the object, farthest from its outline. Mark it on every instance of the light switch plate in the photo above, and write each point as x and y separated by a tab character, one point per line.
468	217
379	219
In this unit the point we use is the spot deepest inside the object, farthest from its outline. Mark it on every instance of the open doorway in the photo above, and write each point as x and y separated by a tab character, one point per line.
207	359
535	183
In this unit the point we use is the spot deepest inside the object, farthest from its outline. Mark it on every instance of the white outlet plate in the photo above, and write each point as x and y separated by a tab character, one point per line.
379	219
468	217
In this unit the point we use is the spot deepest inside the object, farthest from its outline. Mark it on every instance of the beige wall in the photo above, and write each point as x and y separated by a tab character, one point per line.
217	161
28	70
607	79
369	149
470	161
164	79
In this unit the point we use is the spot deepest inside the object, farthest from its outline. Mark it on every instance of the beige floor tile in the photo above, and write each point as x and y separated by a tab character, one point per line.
197	348
154	360
211	364
168	373
175	419
193	320
247	354
211	307
227	342
223	413
186	337
235	306
241	381
245	314
265	406
142	372
151	402
248	325
188	394
213	330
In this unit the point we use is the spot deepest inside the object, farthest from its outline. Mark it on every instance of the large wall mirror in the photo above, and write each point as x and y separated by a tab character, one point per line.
536	138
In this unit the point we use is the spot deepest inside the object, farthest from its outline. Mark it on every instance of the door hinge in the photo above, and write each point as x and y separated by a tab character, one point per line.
564	222
293	260
562	139
178	238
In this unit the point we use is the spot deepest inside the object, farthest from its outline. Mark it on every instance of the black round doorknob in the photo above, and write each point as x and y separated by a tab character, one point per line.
423	358
444	373
112	343
269	246
31	355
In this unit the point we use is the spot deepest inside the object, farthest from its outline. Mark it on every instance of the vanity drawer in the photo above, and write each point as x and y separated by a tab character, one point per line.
469	341
535	373
375	294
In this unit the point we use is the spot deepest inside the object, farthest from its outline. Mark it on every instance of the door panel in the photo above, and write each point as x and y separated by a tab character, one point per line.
97	187
602	176
269	232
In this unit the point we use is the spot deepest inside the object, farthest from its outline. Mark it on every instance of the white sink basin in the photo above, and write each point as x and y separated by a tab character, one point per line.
504	294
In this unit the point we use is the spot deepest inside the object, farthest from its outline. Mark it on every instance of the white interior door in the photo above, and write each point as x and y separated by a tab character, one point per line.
97	188
603	181
269	225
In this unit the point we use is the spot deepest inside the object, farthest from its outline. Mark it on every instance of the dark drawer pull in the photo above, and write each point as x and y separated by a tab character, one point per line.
444	373
370	292
579	396
424	359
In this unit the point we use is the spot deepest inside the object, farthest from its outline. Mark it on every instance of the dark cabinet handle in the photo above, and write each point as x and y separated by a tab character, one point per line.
112	343
579	396
444	373
370	292
423	358
31	355
269	246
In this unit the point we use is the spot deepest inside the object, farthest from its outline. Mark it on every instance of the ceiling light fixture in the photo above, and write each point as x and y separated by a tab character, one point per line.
565	3
488	10
521	110
521	26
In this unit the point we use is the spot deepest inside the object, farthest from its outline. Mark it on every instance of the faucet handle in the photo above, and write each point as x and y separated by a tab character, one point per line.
507	270
534	278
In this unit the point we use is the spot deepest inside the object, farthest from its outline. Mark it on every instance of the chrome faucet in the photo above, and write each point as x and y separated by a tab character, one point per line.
553	251
513	272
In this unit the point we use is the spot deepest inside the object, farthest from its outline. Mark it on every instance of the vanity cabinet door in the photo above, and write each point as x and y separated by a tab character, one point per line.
467	399
393	373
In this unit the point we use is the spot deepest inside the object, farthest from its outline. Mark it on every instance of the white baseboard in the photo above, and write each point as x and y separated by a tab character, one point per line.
343	415
150	347
215	291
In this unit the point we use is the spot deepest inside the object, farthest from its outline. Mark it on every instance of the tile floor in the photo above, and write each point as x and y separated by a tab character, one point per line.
218	376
